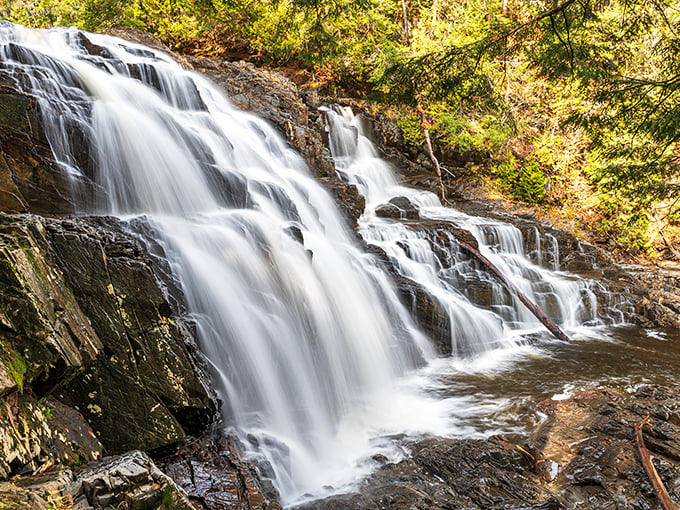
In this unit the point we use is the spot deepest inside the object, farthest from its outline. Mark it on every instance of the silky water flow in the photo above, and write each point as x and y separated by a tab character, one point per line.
315	358
446	271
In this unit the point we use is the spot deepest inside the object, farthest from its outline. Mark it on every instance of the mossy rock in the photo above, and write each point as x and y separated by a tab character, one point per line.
84	318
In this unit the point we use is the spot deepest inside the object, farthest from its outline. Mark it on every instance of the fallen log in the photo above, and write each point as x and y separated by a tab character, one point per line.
657	484
545	320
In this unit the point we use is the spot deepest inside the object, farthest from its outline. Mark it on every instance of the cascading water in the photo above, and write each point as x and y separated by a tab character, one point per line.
304	330
501	318
315	355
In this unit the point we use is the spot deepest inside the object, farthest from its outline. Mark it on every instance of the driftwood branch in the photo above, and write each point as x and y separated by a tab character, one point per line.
657	484
545	320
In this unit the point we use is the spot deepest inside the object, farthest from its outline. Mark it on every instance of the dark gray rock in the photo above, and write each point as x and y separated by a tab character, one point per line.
398	208
84	320
128	481
590	438
212	472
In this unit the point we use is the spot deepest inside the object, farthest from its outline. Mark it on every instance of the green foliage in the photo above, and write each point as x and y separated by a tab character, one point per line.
47	410
625	222
599	80
167	18
411	129
620	59
168	497
531	185
524	182
506	172
487	134
15	365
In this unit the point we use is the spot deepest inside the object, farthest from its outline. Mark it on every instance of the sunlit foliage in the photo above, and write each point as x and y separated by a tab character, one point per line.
546	89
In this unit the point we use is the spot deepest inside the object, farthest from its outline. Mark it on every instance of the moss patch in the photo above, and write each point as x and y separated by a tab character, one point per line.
15	365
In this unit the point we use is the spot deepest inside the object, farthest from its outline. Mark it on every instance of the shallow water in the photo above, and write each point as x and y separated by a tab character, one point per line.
498	390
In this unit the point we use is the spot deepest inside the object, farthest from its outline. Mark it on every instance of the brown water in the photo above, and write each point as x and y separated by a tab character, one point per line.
496	395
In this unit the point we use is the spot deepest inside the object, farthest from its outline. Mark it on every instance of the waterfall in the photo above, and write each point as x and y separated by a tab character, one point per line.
483	314
315	356
304	330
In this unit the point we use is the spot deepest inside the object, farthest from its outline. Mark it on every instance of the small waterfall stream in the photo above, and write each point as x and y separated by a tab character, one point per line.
480	323
315	356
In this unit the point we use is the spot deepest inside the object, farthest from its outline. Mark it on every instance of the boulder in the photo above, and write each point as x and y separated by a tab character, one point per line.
129	481
398	208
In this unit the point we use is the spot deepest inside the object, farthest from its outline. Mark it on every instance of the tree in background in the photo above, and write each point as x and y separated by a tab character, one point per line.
551	91
619	58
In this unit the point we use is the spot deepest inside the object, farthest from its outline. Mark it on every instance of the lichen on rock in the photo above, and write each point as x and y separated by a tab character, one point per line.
86	323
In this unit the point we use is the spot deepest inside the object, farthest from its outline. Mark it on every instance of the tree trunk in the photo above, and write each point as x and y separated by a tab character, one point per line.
406	30
657	484
545	320
428	143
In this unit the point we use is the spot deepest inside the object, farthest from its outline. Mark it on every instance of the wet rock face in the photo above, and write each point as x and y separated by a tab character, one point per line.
662	304
428	313
41	433
84	320
144	343
582	456
591	439
446	474
215	477
30	179
346	197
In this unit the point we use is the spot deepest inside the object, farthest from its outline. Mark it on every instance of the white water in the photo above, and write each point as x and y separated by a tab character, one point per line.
315	356
501	319
308	338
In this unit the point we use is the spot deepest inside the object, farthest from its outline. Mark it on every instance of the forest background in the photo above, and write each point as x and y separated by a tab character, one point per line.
571	105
